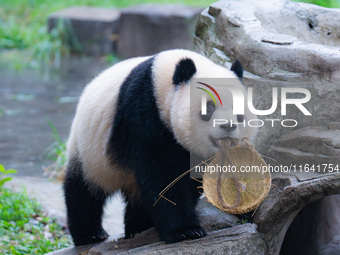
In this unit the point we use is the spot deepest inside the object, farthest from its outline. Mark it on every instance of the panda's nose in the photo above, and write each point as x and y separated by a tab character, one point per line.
228	128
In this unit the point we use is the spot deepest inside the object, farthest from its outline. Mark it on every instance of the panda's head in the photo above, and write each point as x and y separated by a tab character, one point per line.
180	103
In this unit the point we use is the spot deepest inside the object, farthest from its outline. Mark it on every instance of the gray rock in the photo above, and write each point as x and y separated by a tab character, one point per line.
279	39
212	218
289	194
150	28
310	145
320	219
304	53
96	29
314	139
308	40
243	239
335	125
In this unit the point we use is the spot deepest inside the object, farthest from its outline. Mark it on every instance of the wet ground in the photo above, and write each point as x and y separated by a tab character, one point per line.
29	100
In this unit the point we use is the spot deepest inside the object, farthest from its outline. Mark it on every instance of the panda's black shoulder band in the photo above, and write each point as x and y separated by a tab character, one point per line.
184	71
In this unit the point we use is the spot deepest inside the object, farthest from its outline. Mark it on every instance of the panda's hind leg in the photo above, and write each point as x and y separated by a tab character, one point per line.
85	206
137	218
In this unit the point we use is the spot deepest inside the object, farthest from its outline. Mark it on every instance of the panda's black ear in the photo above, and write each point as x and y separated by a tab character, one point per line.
184	71
237	68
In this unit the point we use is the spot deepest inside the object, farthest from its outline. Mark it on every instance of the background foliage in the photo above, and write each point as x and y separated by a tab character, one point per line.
324	3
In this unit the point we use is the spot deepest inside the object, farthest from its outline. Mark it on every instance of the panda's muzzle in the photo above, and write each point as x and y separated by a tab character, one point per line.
228	128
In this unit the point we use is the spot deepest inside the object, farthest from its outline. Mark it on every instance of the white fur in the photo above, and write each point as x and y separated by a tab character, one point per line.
92	124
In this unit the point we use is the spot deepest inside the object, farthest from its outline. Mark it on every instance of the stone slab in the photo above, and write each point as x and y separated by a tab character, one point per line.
95	28
243	239
150	28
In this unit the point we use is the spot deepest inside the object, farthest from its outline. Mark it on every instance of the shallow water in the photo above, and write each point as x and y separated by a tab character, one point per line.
28	100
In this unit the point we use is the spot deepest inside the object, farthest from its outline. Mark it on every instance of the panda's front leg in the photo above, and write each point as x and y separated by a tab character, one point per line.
178	222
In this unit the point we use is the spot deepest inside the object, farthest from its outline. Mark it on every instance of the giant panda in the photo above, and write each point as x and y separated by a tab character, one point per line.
132	133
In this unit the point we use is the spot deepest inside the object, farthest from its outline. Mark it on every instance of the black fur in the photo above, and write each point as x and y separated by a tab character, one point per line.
237	68
184	71
210	110
84	206
141	142
137	218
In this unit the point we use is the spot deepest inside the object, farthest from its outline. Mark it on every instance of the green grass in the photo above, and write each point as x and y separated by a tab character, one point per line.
23	22
24	229
56	152
4	176
324	3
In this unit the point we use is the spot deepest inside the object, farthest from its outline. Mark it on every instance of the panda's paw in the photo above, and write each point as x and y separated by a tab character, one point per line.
129	235
96	237
194	232
99	236
189	232
131	231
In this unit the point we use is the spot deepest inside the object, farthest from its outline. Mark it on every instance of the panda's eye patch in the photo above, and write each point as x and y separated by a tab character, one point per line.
210	111
240	118
210	106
